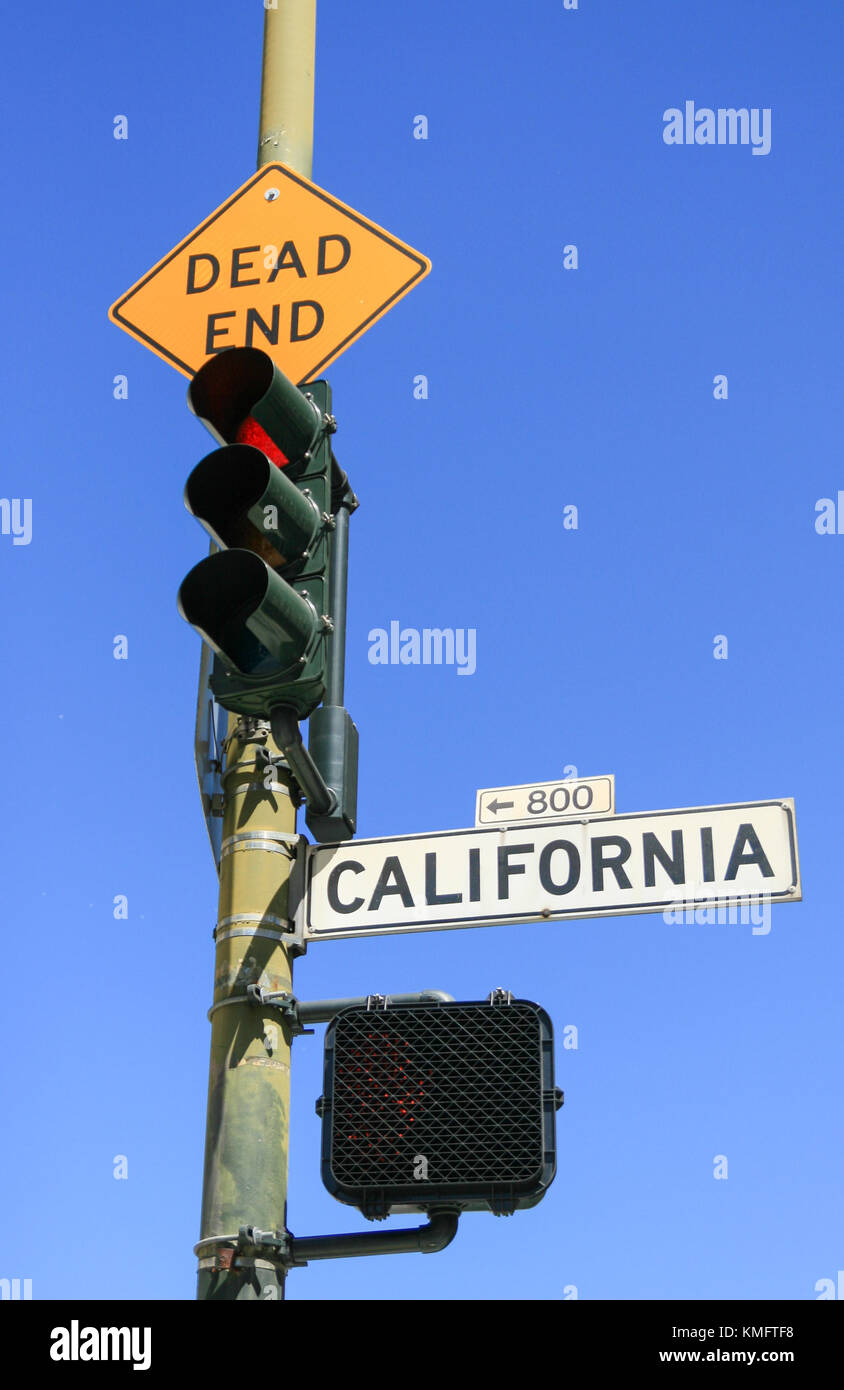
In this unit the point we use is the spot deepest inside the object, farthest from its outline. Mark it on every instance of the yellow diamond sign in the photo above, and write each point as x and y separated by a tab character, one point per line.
282	266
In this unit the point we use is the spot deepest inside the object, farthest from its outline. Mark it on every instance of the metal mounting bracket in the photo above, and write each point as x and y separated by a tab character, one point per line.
295	1252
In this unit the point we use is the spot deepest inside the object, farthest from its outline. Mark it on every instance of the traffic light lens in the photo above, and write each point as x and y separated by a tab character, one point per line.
250	432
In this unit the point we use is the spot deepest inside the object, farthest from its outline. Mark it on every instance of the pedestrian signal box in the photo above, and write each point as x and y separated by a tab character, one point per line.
440	1105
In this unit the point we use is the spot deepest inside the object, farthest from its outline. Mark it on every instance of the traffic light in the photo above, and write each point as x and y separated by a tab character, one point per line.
265	498
439	1104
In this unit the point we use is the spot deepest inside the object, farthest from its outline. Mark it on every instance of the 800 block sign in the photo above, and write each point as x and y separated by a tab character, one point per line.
583	796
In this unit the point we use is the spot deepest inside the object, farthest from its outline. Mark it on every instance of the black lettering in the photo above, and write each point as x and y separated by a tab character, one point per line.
288	259
214	332
706	854
506	869
392	869
474	875
432	897
600	861
295	335
254	320
573	867
747	835
237	267
672	863
322	268
193	287
350	866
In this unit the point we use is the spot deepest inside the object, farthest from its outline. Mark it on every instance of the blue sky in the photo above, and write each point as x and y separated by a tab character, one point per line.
548	388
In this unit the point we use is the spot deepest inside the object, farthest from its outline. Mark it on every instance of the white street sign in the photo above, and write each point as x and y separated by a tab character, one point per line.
611	866
561	800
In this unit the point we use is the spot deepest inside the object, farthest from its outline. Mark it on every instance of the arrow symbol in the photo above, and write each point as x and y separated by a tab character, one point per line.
496	806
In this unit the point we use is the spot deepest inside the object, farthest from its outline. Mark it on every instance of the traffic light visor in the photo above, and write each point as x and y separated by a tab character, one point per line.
251	617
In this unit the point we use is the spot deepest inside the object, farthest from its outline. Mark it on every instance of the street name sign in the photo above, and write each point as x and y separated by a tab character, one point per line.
282	266
568	797
645	862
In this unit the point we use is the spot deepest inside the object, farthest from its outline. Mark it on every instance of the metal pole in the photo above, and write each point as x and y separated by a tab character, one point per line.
247	1128
334	693
287	85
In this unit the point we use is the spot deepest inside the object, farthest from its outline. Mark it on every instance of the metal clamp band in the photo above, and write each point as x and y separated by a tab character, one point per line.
246	931
215	1240
251	844
221	1004
281	1000
271	841
237	1262
254	917
278	835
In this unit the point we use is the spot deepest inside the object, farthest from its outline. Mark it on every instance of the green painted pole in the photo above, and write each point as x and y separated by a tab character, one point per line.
247	1127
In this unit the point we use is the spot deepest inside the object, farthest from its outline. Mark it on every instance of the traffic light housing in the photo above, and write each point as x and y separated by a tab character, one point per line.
439	1104
264	497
